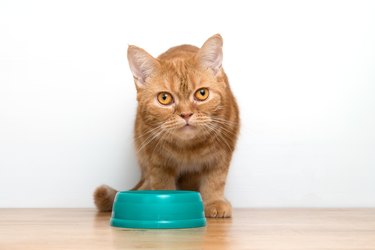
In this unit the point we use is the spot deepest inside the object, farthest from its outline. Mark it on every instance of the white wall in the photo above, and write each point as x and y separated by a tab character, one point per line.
303	74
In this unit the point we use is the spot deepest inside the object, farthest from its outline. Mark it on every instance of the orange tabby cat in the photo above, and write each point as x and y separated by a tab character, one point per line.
186	126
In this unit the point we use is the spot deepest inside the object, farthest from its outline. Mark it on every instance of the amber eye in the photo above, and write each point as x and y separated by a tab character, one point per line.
165	98
201	94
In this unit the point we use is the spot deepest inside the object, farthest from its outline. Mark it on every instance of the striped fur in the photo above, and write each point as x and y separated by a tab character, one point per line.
170	155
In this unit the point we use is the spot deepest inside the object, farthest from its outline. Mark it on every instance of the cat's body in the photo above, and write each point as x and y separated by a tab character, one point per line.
187	123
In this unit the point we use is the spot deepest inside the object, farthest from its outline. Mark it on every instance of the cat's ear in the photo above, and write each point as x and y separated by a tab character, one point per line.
210	55
142	64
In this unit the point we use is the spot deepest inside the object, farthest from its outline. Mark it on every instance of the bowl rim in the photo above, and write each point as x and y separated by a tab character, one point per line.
158	192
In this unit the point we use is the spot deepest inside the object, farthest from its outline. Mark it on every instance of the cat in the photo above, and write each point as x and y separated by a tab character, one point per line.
186	126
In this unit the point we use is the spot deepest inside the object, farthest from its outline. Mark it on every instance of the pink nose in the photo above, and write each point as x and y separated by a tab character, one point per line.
186	116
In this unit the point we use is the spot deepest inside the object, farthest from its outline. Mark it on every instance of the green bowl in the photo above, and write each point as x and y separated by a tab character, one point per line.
158	209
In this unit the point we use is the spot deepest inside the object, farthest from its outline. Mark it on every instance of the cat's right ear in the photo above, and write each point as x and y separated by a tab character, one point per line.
142	64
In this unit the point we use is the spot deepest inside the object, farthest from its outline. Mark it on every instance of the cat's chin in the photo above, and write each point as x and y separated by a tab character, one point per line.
186	132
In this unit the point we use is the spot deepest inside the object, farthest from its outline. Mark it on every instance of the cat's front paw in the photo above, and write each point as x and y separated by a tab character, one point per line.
218	209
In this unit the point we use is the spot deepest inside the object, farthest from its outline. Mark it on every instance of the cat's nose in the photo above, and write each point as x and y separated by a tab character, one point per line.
186	115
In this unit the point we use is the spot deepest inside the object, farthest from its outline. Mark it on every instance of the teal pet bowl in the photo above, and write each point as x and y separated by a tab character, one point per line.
158	209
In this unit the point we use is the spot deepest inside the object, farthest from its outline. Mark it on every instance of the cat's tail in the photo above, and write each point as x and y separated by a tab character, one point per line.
104	196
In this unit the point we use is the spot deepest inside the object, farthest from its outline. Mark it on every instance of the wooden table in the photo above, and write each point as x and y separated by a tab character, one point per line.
249	229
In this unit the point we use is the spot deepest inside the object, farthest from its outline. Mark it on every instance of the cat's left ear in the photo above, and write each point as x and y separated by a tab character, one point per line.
210	55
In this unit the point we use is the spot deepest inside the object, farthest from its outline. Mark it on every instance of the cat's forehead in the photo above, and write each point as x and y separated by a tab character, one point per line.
180	78
182	84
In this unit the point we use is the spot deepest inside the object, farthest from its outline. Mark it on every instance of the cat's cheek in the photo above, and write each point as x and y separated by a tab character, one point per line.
208	106
156	112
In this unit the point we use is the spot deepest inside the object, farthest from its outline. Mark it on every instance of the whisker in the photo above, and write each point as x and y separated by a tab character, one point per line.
225	128
224	120
149	140
147	132
218	136
160	139
220	139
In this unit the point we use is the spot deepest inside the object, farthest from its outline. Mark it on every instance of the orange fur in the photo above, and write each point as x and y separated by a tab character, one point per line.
171	154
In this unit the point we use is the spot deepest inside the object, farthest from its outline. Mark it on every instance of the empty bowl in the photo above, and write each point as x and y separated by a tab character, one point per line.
158	209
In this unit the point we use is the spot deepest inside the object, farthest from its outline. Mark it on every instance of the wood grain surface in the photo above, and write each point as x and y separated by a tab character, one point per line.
248	229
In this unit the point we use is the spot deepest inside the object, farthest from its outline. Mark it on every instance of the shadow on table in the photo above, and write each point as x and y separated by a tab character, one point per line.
214	236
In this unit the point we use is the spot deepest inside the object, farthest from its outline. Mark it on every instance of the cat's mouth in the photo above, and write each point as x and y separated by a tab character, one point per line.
187	126
187	132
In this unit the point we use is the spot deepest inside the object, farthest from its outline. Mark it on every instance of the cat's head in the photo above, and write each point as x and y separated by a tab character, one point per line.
183	93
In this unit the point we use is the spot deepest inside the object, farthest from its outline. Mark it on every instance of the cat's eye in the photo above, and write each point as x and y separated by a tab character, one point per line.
165	98
201	94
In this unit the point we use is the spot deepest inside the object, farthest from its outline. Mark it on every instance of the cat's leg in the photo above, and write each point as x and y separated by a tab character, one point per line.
212	191
143	184
189	181
162	178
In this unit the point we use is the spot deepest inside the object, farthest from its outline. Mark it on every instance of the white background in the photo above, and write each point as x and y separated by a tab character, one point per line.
303	74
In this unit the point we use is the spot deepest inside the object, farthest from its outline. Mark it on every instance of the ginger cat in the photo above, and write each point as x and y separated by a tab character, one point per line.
186	126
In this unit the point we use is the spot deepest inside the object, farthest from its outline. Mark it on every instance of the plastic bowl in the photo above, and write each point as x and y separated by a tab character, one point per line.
158	209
